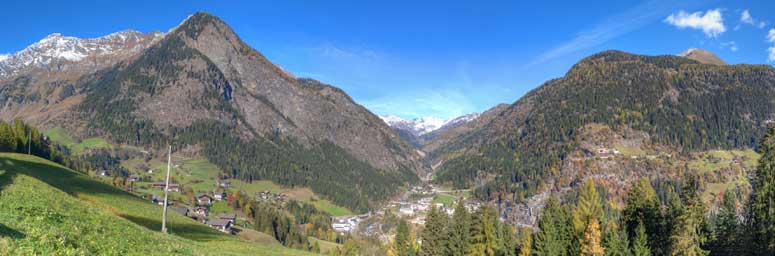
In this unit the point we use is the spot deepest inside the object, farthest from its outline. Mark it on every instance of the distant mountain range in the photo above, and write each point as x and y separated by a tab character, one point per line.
418	131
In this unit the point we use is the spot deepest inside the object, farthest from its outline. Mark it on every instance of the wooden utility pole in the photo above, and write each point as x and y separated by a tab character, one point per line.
29	143
166	192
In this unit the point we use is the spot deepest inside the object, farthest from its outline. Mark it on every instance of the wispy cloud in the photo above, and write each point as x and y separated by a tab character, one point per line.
731	45
771	57
771	36
612	27
747	19
711	22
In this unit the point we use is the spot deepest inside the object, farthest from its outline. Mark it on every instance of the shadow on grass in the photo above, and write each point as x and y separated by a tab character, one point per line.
5	231
6	177
191	231
56	176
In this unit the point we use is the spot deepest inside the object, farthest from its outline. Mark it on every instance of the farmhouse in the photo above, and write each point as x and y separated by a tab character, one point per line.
134	178
200	211
160	185
204	199
219	196
180	210
219	224
230	217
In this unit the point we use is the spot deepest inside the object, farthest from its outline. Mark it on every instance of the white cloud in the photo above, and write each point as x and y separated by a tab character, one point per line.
4	57
771	36
771	52
711	23
746	18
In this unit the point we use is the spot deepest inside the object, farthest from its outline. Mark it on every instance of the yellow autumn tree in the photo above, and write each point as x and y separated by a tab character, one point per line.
590	245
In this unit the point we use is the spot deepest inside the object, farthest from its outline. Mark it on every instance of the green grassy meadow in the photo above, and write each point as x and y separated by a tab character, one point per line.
47	209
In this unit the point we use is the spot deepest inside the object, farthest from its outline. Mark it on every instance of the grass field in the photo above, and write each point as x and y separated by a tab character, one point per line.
331	208
325	246
46	209
717	159
200	175
61	136
444	199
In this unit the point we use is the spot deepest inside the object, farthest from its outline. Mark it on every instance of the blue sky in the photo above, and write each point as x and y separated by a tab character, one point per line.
427	58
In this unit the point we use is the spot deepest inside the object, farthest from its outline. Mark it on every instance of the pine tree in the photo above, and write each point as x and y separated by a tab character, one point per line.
643	208
433	242
615	241
459	233
590	245
402	244
687	236
526	246
727	228
484	240
761	207
640	245
588	207
7	138
552	239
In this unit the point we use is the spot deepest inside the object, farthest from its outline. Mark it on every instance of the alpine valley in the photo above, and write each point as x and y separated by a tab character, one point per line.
623	143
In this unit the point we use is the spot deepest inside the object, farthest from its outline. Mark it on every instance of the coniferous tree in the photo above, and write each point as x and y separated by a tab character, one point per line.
687	236
591	245
727	228
555	235
643	208
615	241
7	138
761	208
484	239
640	245
433	241
526	246
458	233
404	243
587	208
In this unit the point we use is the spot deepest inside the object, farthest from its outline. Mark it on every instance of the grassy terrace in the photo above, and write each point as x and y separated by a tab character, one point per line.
200	175
47	209
61	136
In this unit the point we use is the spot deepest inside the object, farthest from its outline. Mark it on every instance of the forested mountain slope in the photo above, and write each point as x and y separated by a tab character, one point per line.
678	103
201	88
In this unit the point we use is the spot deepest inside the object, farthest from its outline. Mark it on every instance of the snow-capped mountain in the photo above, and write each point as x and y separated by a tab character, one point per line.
56	52
425	125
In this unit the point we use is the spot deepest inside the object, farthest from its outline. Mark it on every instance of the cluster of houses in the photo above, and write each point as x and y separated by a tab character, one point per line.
347	224
268	196
174	187
201	212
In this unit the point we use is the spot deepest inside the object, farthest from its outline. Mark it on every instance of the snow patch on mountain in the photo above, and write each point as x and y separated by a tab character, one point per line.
424	125
55	50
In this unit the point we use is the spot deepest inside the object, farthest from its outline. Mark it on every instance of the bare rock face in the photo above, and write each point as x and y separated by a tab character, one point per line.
306	110
702	56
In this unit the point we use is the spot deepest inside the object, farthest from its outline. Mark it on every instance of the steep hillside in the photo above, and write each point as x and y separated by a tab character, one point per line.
677	103
201	87
46	209
702	56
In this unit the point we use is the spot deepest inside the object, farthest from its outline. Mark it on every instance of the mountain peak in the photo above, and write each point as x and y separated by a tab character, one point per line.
702	56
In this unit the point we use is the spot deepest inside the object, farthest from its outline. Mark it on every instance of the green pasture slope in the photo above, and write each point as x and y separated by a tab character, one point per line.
47	209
